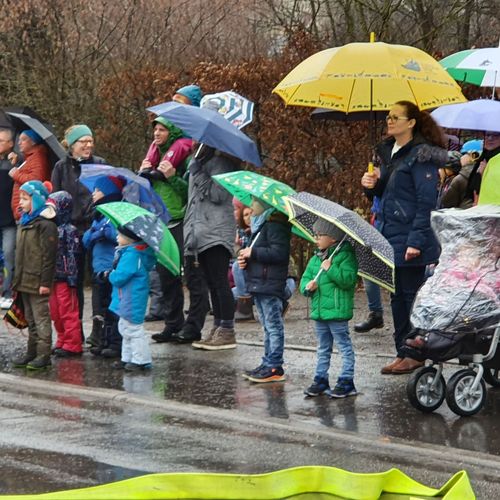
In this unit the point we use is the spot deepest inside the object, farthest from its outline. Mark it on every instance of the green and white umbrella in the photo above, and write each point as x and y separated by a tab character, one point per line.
477	66
244	185
148	227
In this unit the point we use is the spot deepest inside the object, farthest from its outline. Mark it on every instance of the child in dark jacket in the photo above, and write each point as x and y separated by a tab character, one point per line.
130	279
63	300
332	293
34	273
100	240
266	263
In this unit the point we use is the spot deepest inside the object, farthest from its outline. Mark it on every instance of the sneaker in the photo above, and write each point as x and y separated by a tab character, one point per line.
344	388
221	339
39	363
268	374
166	335
317	388
134	367
249	373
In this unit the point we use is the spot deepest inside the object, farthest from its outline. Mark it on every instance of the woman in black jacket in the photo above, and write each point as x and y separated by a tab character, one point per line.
79	141
407	186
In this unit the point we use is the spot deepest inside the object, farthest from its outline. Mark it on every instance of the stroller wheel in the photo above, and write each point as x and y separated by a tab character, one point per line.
424	392
492	376
460	398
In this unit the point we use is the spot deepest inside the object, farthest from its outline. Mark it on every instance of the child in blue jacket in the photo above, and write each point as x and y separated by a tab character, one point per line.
100	241
130	279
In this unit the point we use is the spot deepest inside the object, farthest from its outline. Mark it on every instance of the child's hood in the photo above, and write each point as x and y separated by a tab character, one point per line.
144	252
63	204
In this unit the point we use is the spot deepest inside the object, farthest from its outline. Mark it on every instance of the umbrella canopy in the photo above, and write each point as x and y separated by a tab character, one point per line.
369	76
483	114
490	194
236	109
477	66
149	228
22	122
244	185
374	253
211	128
137	190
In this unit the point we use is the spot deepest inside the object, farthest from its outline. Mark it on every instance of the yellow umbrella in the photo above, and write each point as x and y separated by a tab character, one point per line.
369	77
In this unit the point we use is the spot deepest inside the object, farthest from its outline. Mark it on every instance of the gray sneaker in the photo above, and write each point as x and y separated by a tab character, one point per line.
221	339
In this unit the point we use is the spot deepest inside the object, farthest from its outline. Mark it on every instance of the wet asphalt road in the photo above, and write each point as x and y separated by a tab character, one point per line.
194	412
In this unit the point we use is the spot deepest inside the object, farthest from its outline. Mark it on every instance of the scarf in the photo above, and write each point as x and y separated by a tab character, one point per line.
27	218
257	221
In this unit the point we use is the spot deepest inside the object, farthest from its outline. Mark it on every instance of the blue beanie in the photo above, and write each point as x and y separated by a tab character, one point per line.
76	132
33	136
192	92
110	184
39	192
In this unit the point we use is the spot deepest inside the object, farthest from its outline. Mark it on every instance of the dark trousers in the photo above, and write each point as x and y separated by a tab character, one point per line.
408	280
198	297
108	336
215	265
171	286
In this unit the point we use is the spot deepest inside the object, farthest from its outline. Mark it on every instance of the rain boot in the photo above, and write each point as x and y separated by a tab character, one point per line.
244	309
95	339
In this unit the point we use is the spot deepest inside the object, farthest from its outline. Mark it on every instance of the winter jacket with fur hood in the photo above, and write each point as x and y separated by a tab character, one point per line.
408	189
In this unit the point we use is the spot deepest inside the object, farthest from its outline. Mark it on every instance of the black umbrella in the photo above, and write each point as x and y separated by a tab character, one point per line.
20	121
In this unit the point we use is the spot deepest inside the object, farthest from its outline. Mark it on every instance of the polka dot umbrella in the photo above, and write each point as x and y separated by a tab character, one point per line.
374	253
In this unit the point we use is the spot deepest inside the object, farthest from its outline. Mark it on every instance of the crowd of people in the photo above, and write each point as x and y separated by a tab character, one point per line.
234	257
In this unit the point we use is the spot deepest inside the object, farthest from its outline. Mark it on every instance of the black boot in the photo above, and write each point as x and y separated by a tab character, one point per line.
167	335
375	320
244	309
95	338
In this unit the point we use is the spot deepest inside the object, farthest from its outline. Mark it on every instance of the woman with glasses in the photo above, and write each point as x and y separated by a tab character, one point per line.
79	141
407	185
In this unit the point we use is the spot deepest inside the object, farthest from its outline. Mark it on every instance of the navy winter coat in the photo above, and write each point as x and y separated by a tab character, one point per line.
408	188
267	267
100	239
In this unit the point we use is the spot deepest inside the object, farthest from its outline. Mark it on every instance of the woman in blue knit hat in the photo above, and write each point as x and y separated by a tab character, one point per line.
79	141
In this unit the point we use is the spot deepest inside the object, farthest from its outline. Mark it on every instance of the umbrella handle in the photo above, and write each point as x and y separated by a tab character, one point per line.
330	258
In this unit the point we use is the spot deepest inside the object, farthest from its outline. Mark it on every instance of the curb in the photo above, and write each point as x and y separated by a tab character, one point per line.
439	457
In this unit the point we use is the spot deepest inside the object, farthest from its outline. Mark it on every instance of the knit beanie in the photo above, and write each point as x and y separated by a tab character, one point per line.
192	92
76	132
110	184
128	233
33	136
39	192
321	226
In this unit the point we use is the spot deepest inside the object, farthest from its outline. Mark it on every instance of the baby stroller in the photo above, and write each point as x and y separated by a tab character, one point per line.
456	313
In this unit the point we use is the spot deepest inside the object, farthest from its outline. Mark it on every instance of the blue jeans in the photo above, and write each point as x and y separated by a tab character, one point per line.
8	235
373	295
239	275
327	332
270	309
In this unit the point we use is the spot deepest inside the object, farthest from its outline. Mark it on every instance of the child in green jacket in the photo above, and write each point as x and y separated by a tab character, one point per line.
332	296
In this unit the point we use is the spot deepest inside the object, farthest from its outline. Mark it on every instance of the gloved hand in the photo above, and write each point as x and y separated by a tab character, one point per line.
102	276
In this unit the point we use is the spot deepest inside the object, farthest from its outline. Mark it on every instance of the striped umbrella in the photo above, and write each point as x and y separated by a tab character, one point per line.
233	107
477	66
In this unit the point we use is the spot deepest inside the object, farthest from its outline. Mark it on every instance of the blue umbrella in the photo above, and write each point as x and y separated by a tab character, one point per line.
482	114
137	190
209	127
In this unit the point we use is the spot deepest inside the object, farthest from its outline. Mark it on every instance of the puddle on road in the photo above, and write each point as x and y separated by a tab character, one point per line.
30	471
